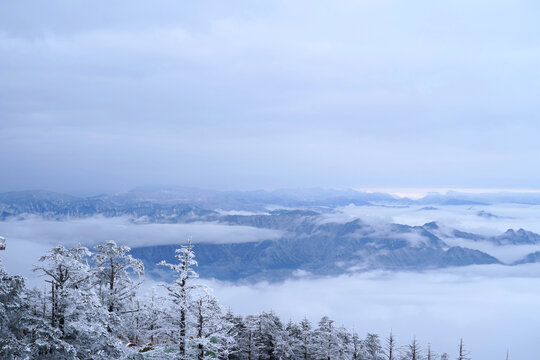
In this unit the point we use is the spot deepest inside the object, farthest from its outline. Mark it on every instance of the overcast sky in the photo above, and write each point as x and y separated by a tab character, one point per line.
104	96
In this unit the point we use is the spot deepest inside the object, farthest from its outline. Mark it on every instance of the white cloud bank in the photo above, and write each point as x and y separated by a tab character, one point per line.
492	307
27	240
90	231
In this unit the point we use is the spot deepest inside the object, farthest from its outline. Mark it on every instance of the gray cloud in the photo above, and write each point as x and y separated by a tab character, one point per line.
268	95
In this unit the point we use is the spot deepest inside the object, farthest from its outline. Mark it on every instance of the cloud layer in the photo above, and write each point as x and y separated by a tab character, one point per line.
94	230
493	308
280	94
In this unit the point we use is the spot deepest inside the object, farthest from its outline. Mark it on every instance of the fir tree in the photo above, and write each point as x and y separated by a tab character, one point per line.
181	292
116	287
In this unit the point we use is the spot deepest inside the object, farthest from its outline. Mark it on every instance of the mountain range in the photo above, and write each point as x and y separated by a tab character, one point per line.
312	243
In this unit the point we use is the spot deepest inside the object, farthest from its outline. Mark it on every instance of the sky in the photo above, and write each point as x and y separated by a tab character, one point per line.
105	96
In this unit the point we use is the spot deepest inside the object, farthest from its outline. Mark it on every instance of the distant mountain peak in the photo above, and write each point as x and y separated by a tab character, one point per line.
431	225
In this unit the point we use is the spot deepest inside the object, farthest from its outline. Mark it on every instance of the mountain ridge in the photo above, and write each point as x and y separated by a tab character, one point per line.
313	241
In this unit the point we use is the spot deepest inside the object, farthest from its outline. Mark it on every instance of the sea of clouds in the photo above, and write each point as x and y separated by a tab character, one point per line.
491	307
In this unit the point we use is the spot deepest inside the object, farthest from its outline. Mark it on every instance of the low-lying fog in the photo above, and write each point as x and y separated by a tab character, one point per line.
491	307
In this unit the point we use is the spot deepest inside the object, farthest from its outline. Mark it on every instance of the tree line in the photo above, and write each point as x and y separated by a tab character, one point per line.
90	309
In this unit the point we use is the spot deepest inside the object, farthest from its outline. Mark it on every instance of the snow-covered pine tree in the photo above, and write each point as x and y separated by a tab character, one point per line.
12	312
75	308
112	265
153	319
306	340
326	340
280	339
294	339
245	336
233	336
373	348
412	351
357	348
43	341
270	338
25	333
390	348
463	354
430	354
181	292
251	346
345	341
212	329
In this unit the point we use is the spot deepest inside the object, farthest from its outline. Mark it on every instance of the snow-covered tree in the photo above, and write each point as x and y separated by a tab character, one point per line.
25	333
43	341
327	340
357	348
294	339
12	312
390	348
212	329
116	286
430	354
306	340
266	338
346	343
373	348
75	308
181	292
463	354
274	337
243	333
251	346
233	336
153	319
412	351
